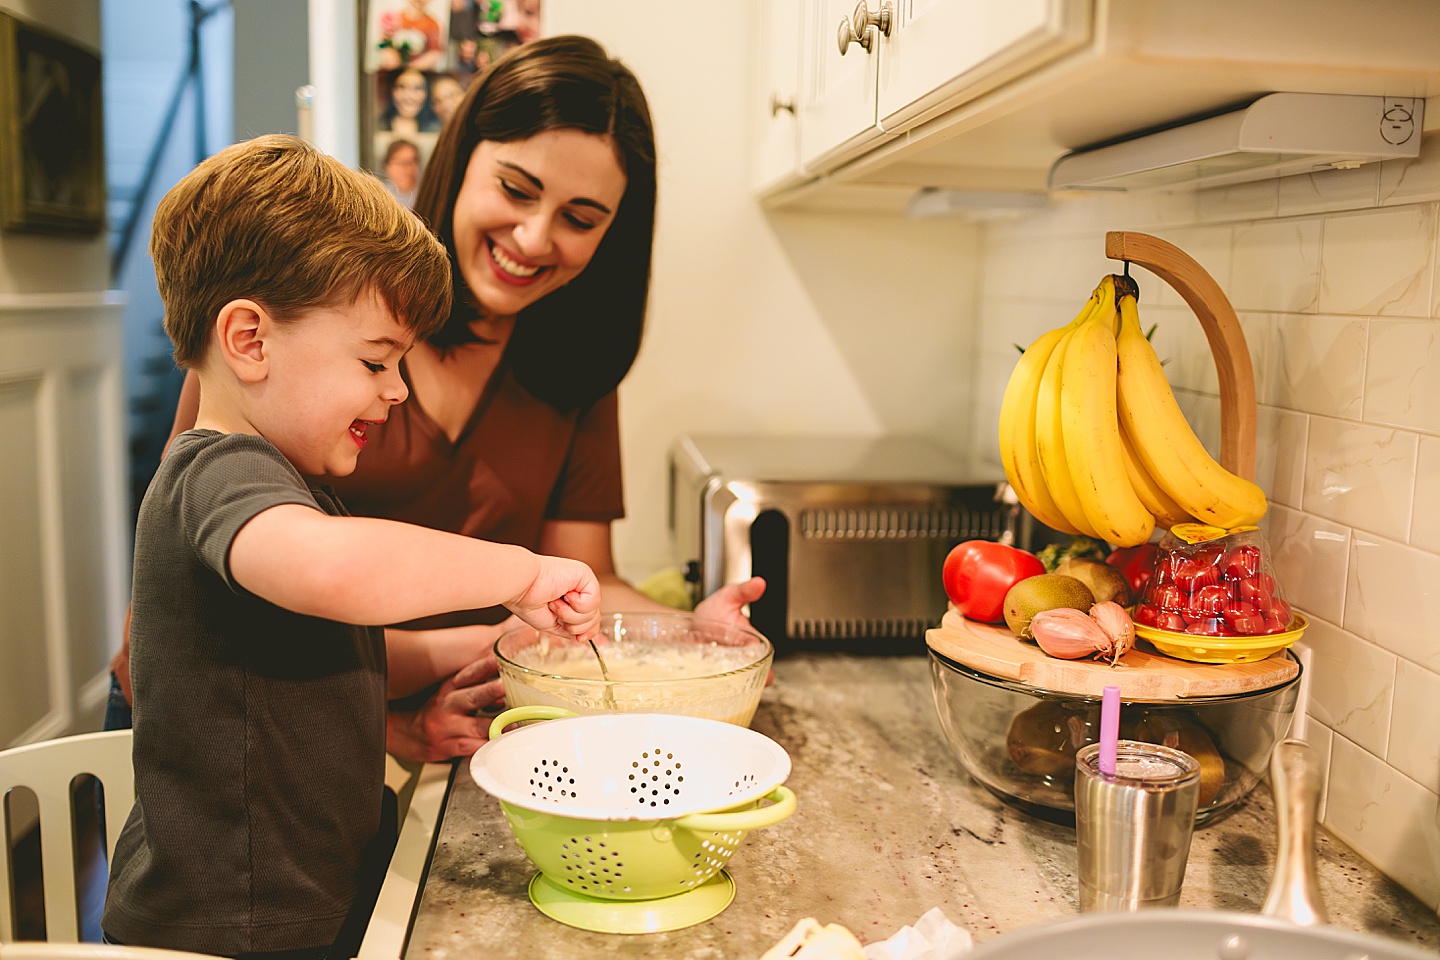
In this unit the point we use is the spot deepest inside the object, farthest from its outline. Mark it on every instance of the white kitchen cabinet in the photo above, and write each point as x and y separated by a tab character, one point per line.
775	94
986	95
905	56
939	50
837	111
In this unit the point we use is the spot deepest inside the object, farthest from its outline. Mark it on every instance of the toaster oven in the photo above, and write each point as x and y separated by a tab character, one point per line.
850	534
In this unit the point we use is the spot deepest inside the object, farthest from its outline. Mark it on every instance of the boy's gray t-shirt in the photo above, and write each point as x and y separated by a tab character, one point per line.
259	732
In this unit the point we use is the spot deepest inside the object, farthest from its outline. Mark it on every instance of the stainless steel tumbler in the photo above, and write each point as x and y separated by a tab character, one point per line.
1133	828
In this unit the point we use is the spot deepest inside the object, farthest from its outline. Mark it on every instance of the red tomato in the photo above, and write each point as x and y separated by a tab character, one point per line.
1147	615
1168	596
1210	554
1210	599
1192	573
1137	563
1247	626
1207	627
1255	590
1172	622
1278	609
978	573
1240	608
1242	617
1165	568
1242	563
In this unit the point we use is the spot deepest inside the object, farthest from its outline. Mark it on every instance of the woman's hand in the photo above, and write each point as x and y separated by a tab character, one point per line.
727	604
445	727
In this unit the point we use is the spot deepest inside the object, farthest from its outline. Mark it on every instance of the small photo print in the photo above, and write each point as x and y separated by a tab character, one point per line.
407	100
408	34
482	30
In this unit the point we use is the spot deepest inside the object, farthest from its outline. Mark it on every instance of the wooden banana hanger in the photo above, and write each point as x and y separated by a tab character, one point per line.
1222	329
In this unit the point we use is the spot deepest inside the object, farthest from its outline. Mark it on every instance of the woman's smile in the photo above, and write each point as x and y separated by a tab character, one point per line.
510	269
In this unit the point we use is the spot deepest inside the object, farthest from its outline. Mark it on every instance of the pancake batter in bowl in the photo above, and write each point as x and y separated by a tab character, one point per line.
706	679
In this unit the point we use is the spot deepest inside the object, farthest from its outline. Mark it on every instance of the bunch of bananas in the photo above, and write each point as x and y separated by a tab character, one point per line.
1093	441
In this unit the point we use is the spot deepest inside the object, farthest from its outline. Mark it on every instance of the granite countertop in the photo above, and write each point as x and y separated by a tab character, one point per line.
888	826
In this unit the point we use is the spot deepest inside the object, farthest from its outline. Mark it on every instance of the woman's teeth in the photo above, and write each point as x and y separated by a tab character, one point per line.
357	428
510	266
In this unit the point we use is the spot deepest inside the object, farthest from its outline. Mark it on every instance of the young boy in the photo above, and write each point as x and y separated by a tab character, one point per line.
293	286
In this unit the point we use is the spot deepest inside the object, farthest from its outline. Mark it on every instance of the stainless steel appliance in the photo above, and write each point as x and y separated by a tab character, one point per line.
849	533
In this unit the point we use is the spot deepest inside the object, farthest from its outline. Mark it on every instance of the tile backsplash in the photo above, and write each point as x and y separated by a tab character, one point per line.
1334	279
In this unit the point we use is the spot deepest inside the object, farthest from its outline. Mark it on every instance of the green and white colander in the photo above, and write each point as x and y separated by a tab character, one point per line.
632	808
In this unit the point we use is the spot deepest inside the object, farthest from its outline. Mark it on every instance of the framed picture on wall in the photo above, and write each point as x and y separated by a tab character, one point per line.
52	158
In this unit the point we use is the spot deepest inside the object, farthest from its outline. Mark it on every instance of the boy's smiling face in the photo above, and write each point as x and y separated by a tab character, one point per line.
332	374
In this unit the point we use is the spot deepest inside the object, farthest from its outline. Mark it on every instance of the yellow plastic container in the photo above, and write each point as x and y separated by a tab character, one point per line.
1187	646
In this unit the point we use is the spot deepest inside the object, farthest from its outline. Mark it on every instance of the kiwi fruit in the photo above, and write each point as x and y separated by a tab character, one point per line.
1045	591
1041	739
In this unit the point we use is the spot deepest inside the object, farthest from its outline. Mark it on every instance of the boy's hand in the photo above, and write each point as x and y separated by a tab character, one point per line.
564	597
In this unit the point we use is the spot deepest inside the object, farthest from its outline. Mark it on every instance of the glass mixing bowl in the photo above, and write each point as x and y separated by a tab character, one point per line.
1019	741
655	663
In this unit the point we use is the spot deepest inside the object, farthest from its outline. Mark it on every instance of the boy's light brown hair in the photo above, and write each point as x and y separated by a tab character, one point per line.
276	221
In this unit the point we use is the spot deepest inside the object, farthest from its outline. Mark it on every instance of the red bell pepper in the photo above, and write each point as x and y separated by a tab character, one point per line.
978	573
1137	563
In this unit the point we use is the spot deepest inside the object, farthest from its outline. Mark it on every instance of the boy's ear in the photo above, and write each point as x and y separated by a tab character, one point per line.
242	328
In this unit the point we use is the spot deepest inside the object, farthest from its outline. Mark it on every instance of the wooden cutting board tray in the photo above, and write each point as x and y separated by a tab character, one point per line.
1142	674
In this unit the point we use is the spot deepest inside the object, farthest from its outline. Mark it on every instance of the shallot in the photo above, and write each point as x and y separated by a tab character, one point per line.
1069	634
1117	625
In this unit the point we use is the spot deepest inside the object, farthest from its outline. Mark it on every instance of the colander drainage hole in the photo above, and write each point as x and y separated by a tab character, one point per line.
546	770
743	784
653	769
590	870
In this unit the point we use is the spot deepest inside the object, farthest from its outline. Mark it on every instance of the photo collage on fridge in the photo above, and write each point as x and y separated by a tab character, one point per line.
422	56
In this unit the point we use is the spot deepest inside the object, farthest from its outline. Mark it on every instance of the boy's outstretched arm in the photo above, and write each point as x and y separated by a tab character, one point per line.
370	571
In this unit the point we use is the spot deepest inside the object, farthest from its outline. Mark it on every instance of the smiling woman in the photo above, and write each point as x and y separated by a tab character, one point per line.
530	214
542	189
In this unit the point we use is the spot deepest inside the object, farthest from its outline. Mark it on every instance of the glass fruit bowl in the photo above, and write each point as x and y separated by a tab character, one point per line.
653	663
1020	741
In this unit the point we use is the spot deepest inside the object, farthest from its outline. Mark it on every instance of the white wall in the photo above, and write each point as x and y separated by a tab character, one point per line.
779	324
62	503
1336	281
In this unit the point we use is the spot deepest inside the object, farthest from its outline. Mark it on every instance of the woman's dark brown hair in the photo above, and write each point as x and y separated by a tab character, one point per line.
576	344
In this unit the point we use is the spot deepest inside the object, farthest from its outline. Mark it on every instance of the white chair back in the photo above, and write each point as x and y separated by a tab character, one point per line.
48	769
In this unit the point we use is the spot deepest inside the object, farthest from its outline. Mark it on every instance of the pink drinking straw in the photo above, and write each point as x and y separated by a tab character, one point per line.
1109	729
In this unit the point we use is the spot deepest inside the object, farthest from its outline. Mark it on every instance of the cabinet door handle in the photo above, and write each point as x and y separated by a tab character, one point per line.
777	105
847	36
862	19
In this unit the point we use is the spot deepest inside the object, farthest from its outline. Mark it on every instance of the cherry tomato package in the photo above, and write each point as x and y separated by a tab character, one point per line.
978	573
1212	582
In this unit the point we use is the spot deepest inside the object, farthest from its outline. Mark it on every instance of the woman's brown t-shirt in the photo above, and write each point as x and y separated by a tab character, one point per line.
517	463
